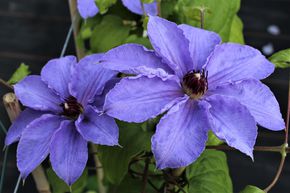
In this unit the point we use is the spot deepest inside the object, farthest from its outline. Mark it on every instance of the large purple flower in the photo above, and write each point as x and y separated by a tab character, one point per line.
202	85
88	8
63	114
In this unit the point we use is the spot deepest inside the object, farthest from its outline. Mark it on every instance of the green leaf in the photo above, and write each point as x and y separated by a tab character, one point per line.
92	183
104	5
115	160
236	34
88	25
167	7
131	185
252	189
209	174
213	140
59	186
138	40
281	59
218	14
21	72
111	32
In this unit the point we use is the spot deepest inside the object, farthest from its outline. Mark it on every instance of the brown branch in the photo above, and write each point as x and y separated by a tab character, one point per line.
41	182
75	18
159	8
284	154
278	149
4	83
11	105
13	109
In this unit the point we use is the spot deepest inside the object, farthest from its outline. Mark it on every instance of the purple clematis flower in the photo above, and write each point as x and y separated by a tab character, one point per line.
63	114
88	8
200	83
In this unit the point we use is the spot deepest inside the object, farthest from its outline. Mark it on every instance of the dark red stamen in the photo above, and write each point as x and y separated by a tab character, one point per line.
195	84
71	108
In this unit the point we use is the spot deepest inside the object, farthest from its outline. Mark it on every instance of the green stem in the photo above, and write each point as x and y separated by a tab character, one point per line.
99	170
66	41
202	13
3	128
145	175
3	169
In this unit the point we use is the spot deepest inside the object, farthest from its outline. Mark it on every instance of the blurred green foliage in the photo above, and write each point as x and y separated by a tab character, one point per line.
252	189
209	173
281	59
21	72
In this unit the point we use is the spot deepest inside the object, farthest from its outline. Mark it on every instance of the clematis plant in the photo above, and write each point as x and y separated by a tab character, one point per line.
63	114
199	84
88	8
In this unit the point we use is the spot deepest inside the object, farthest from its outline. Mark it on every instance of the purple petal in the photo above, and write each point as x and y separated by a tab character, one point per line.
135	59
136	7
68	153
33	146
233	123
98	128
89	79
181	135
201	44
34	93
138	99
259	100
170	43
57	74
233	62
87	8
151	8
15	131
100	99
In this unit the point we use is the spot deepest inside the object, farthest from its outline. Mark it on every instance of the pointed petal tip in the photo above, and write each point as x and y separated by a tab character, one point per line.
251	155
23	175
7	143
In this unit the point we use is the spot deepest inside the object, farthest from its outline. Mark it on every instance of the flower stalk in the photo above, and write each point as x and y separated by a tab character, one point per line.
99	170
13	109
4	83
202	12
283	149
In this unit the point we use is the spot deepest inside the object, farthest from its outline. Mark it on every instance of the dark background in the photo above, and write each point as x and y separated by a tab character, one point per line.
33	31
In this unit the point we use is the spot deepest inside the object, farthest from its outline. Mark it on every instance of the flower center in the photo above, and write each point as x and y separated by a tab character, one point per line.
71	108
195	84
